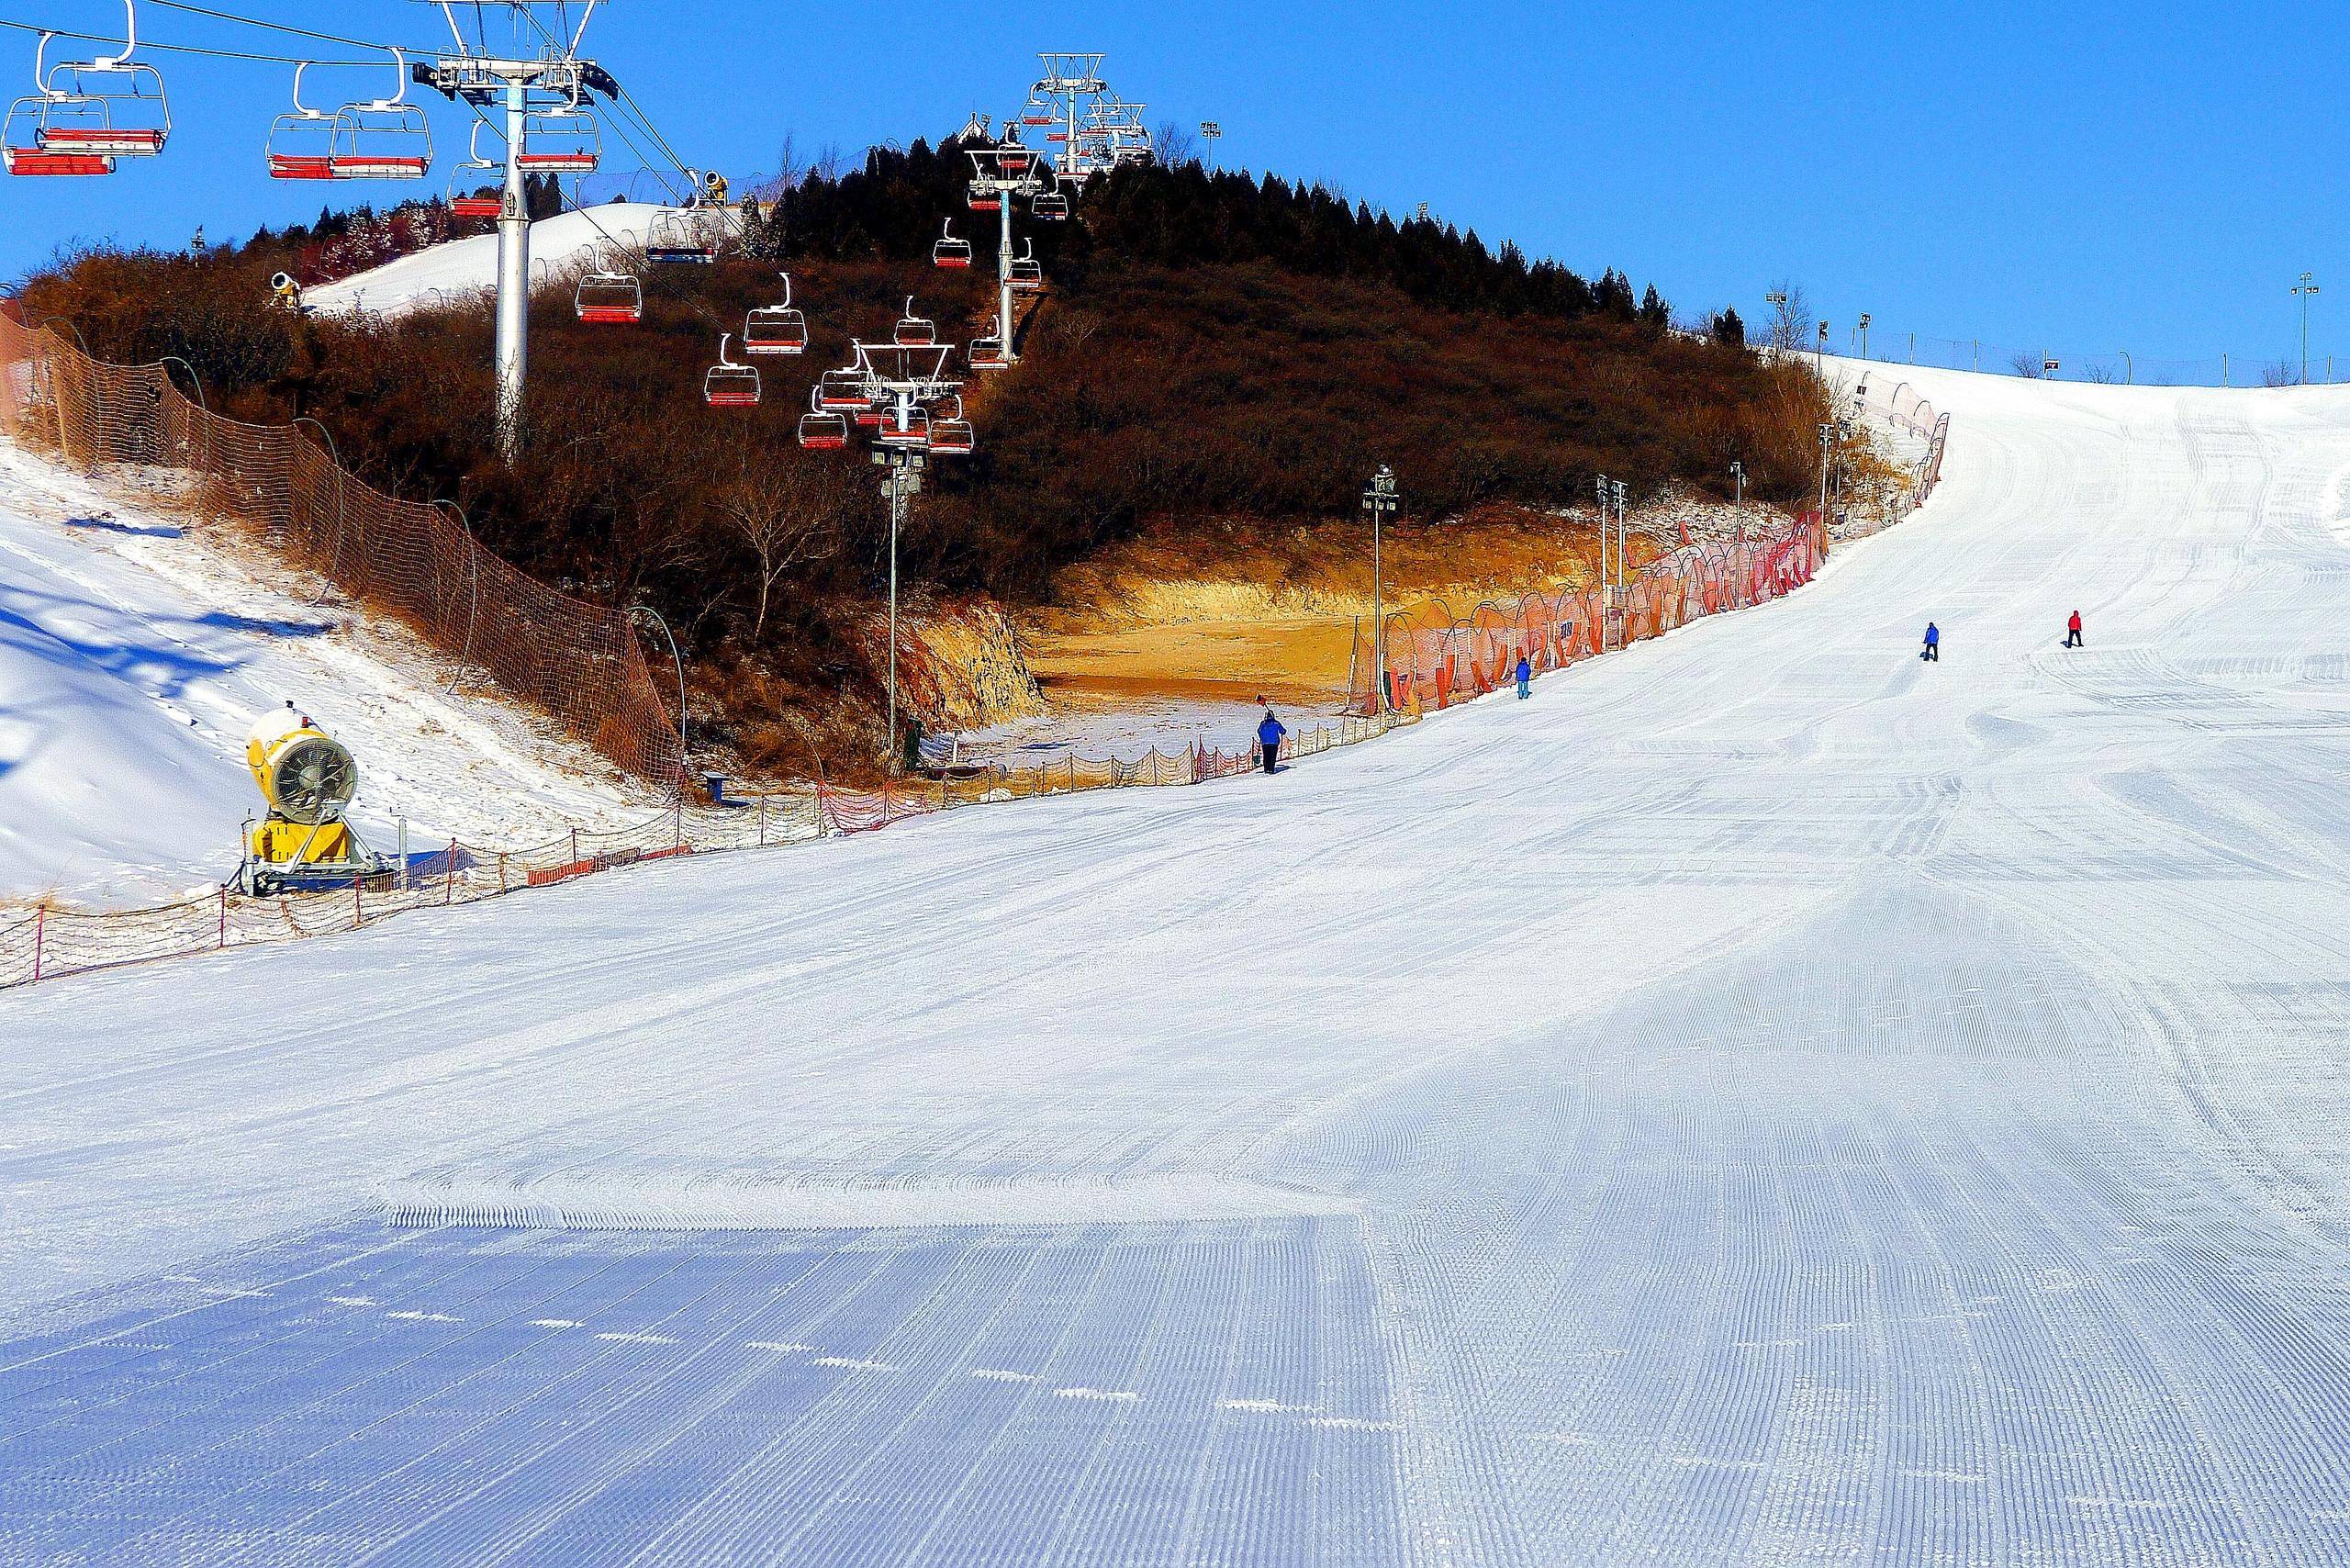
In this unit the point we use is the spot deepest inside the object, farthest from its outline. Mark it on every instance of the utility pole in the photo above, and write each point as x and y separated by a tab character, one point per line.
1827	441
1378	499
2306	287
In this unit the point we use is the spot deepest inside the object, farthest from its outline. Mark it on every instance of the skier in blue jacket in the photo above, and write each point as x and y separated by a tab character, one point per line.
1269	732
1933	653
1525	678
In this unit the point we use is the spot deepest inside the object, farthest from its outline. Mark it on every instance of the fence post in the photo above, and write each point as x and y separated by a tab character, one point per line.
224	917
763	819
679	841
40	914
574	847
449	875
358	911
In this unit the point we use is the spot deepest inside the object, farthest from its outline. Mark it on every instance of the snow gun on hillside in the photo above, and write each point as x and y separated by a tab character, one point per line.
304	843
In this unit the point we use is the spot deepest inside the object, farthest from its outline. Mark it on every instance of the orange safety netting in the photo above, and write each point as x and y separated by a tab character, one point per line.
578	662
1435	658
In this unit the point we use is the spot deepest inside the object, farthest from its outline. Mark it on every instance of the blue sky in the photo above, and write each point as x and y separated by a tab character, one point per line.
2087	178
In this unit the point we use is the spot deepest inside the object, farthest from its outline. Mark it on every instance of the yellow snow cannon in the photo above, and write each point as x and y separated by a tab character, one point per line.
304	843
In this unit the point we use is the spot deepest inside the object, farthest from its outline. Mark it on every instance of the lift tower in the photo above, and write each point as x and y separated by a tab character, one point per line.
553	81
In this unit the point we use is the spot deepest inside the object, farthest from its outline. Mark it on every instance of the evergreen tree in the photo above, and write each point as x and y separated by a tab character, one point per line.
1655	314
1729	330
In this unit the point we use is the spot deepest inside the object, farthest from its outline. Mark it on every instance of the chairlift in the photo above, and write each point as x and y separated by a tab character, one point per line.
301	143
1025	274
910	428
21	148
383	138
727	384
1051	207
913	331
110	107
843	390
951	438
561	141
1035	111
608	296
820	430
473	203
947	251
985	200
776	328
988	354
679	237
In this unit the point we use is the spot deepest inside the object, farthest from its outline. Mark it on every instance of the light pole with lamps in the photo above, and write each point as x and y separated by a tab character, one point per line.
1211	132
1378	499
2304	289
1822	361
1863	329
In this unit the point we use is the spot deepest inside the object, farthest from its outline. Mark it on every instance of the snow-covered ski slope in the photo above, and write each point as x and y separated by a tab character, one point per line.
1766	1099
452	273
135	653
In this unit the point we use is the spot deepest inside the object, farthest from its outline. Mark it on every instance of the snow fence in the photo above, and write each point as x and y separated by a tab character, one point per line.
46	944
576	661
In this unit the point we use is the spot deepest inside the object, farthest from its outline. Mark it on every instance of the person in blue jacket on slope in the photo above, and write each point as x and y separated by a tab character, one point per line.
1269	732
1525	678
1933	653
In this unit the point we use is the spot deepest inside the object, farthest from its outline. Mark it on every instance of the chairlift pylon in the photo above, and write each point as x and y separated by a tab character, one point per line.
776	328
727	384
947	251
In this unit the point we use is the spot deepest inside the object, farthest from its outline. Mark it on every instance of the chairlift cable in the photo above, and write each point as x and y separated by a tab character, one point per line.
147	46
276	27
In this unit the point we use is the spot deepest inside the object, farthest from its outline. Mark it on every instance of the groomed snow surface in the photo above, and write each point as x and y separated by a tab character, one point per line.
137	649
1766	1099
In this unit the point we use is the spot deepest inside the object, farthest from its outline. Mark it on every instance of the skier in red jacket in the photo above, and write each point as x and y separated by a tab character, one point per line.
2073	631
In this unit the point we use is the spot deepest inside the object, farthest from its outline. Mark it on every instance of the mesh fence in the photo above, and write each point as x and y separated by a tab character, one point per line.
578	661
46	944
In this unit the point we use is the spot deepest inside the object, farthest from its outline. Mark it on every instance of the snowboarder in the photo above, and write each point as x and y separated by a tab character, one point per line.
1269	732
1933	650
2073	631
1525	678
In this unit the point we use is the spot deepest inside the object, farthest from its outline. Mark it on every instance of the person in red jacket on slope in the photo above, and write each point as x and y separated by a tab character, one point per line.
2073	631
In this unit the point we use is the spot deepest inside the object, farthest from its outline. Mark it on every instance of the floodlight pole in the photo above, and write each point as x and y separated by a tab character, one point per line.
1378	499
2307	286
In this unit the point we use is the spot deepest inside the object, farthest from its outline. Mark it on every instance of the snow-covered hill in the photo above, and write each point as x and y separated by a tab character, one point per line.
460	269
134	655
1766	1099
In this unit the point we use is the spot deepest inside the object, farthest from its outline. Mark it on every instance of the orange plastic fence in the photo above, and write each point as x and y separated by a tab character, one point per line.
580	662
1435	658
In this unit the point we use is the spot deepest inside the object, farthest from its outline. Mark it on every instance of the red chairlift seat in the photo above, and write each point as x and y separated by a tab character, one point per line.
985	200
103	142
914	434
912	332
477	206
384	138
947	251
112	108
823	432
1051	207
609	298
988	354
776	328
951	438
727	384
37	161
842	390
